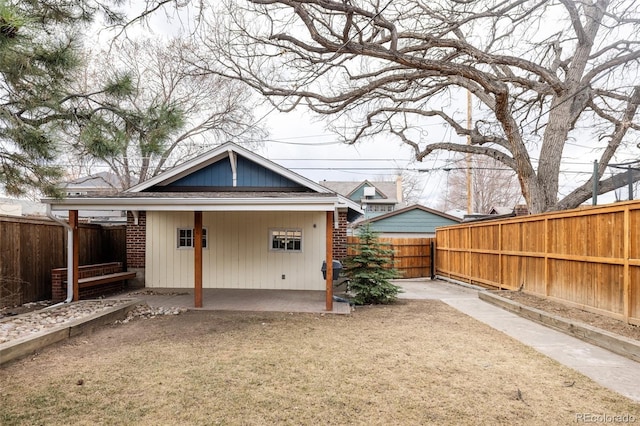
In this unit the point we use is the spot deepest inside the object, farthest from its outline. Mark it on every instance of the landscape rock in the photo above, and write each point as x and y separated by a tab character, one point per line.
23	325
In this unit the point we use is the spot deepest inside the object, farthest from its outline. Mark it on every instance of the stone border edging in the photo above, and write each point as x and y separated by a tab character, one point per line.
21	347
620	345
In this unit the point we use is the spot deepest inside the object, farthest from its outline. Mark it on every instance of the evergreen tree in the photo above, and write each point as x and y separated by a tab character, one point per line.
39	42
370	270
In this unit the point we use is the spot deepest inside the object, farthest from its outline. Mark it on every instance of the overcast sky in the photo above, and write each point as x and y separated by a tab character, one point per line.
299	141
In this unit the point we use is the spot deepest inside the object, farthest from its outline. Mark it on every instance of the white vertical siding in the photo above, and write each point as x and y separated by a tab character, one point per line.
238	254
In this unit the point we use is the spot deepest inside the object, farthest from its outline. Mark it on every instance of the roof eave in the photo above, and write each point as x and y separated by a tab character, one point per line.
190	204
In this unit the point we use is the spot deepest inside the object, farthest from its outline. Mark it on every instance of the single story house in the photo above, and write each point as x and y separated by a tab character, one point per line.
226	219
414	221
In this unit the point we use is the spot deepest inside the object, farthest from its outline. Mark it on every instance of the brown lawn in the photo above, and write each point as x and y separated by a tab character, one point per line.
417	362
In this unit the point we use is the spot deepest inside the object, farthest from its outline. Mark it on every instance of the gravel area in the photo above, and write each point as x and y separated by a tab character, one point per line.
23	325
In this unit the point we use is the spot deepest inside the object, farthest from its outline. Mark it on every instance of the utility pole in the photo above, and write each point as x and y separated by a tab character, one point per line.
594	196
469	176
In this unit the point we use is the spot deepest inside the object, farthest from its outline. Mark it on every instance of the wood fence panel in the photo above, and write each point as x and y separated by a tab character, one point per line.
411	256
634	290
587	257
634	237
523	271
31	248
485	267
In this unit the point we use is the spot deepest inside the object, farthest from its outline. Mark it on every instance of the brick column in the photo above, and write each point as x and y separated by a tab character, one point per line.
58	284
340	237
136	246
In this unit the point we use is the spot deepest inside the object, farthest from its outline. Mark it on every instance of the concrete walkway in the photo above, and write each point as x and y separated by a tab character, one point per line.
610	370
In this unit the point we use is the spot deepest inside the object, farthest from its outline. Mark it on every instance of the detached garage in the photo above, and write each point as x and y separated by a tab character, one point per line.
227	219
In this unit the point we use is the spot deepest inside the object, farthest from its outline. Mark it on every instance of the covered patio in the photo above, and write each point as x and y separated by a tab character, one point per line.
227	220
224	299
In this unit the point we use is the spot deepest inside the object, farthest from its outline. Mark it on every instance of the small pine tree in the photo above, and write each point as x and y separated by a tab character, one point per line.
369	272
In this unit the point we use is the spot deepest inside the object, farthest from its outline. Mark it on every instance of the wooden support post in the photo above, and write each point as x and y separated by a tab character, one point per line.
329	257
75	242
197	251
547	248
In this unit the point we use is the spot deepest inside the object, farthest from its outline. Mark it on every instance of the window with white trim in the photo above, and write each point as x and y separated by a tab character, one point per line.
185	237
289	240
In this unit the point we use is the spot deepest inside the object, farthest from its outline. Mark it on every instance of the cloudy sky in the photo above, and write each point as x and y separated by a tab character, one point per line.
299	141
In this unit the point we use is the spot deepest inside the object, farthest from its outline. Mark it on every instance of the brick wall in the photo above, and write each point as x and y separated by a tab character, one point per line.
136	240
340	237
59	280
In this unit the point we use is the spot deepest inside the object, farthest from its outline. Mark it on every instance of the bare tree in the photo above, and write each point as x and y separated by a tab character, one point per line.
543	71
411	187
170	114
492	185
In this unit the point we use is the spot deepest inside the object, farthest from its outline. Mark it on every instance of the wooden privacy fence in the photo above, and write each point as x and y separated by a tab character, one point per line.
588	258
31	248
411	256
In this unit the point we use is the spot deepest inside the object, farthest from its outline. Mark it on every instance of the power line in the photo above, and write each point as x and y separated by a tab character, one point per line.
318	73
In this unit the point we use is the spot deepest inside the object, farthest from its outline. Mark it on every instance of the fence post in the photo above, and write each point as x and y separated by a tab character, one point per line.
547	235
432	255
626	279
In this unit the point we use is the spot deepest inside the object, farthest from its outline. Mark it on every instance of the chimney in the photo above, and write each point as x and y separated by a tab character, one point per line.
521	210
399	188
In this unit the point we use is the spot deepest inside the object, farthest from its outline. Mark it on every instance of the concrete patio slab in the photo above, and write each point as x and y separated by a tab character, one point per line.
241	300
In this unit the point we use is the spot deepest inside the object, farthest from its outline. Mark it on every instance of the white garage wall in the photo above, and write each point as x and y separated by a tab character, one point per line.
238	254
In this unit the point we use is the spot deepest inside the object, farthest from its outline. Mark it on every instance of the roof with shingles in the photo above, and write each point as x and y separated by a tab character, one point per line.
266	192
347	189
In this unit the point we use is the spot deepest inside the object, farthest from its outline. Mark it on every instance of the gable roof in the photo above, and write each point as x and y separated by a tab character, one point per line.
99	182
403	211
193	185
386	190
227	152
500	210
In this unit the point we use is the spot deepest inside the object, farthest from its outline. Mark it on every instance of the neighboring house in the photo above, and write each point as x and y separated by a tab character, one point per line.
375	198
459	213
415	221
262	225
98	184
104	183
500	210
16	207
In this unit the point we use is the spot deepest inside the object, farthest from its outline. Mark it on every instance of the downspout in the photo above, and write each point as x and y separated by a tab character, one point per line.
69	256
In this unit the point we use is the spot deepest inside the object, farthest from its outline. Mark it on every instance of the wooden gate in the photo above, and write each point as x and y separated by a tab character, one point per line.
411	256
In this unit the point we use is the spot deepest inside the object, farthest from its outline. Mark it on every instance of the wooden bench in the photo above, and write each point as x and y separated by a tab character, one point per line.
105	279
93	280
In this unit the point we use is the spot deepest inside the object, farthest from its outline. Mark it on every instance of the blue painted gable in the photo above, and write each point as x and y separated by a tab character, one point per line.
254	175
219	176
216	174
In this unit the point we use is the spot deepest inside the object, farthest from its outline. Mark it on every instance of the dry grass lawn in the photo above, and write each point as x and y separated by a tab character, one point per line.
417	362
